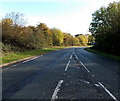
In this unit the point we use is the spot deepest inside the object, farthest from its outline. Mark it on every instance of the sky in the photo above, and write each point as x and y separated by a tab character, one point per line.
71	16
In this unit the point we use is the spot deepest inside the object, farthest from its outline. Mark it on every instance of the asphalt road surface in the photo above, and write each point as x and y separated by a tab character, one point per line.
68	74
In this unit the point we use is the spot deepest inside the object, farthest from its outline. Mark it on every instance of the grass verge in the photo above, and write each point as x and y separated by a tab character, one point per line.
9	57
103	54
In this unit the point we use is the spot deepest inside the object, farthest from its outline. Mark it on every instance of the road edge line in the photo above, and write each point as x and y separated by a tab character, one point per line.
21	60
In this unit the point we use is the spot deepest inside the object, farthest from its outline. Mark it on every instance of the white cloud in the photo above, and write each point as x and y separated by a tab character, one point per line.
74	22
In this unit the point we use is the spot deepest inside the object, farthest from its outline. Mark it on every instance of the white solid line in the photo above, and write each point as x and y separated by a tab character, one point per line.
71	56
67	65
84	66
26	61
14	65
34	58
81	63
31	59
54	96
96	85
108	91
75	55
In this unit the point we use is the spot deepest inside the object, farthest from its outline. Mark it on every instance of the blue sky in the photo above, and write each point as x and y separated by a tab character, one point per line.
40	8
73	16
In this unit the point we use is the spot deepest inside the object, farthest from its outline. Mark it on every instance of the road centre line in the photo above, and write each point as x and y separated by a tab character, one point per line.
67	66
84	66
71	56
54	96
75	55
98	82
82	63
107	91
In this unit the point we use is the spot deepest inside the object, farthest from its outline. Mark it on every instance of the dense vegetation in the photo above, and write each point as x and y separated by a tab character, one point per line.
105	27
18	37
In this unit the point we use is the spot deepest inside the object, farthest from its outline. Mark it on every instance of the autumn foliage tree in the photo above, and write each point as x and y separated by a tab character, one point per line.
83	40
57	36
16	34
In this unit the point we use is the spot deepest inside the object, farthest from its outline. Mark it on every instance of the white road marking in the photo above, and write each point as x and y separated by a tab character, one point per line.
84	81
84	66
26	61
96	85
71	56
107	91
81	62
14	65
75	55
40	56
54	96
67	65
31	59
98	82
78	67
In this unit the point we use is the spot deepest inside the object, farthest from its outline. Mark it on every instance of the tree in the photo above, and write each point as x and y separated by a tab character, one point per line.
57	36
7	30
105	27
83	40
69	40
91	39
11	28
46	34
17	18
76	41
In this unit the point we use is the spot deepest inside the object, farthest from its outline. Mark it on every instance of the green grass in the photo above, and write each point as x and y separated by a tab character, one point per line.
104	54
9	57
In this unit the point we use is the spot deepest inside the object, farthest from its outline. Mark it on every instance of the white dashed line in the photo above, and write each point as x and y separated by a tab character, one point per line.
107	91
54	96
71	56
84	66
67	65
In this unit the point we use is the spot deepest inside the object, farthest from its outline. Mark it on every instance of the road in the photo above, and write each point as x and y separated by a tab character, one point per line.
71	73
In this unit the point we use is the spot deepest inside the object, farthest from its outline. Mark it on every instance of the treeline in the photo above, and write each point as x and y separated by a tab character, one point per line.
15	34
105	27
